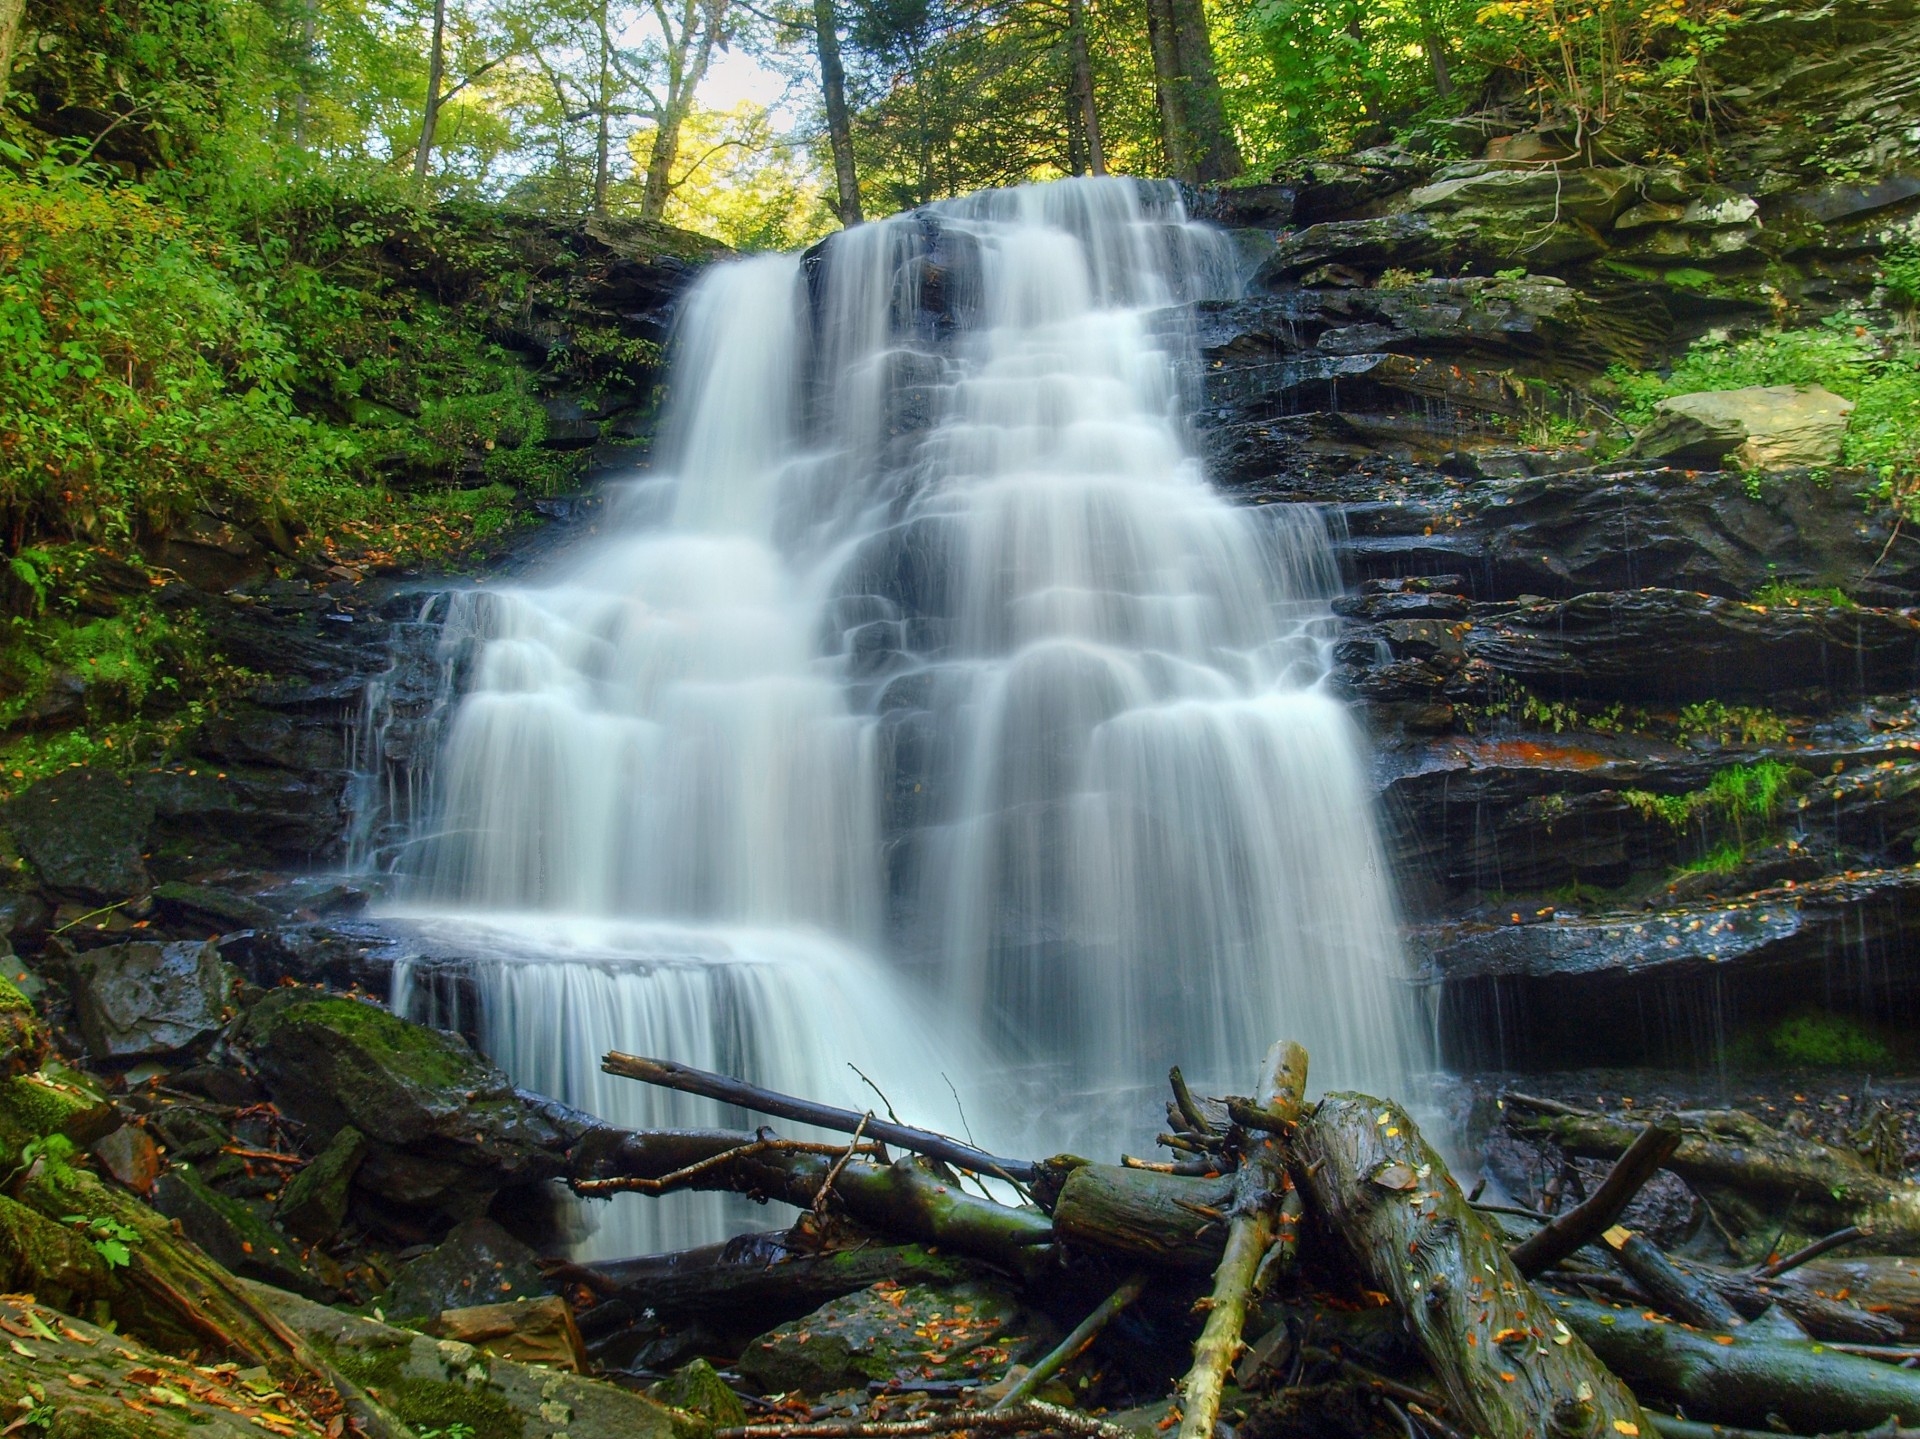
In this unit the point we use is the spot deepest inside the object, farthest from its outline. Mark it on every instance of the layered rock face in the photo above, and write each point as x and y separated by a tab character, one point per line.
1648	742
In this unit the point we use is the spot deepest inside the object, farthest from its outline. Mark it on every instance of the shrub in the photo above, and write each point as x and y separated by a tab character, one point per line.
1818	1039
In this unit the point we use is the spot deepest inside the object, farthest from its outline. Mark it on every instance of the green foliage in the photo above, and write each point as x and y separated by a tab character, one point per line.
1900	273
1797	596
109	1237
1724	723
1879	372
1818	1039
1723	858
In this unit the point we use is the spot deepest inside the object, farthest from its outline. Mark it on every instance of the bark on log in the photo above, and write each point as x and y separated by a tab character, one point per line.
1507	1370
1886	1286
1759	1176
906	1199
177	1299
758	1275
1169	1221
1252	1230
1821	1315
669	1075
1587	1221
1675	1291
1741	1377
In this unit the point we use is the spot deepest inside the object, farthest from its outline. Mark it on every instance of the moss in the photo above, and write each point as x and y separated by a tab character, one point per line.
34	1106
1819	1039
23	1044
412	1052
696	1389
427	1403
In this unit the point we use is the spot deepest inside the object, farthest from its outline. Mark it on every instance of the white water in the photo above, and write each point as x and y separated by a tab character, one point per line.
950	725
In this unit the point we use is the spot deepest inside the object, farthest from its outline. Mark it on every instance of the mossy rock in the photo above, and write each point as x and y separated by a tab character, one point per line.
434	1383
698	1389
32	1106
51	1260
233	1234
897	1332
23	1043
445	1129
314	1204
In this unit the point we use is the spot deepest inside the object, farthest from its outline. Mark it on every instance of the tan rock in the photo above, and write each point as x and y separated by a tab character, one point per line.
532	1331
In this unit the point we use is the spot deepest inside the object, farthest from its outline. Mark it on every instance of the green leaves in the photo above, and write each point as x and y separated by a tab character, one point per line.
110	1238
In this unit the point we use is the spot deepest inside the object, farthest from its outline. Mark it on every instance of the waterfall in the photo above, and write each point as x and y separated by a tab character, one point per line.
948	725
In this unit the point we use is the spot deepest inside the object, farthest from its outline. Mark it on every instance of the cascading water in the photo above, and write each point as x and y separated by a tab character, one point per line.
950	725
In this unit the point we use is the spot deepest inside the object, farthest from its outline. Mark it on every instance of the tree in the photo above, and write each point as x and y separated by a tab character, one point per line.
1200	145
833	87
689	33
437	99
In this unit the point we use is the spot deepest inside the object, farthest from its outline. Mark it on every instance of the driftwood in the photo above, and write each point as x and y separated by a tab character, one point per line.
1677	1292
669	1075
1739	1377
1076	1342
1587	1221
1757	1177
905	1199
1884	1285
174	1297
760	1275
1508	1371
1169	1221
1256	1224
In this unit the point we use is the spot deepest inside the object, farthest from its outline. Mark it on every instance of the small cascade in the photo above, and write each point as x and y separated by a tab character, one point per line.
948	725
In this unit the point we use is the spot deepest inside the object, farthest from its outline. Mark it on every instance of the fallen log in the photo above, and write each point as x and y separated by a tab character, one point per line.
1886	1286
1587	1221
170	1294
1741	1377
1507	1370
1169	1221
1756	1177
1676	1291
905	1199
759	1275
1253	1228
669	1075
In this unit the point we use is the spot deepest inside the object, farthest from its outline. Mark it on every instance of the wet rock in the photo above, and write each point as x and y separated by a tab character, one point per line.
1671	645
477	1263
209	907
314	1203
130	1156
1661	985
445	1130
532	1331
83	831
1762	427
234	1235
140	999
432	1383
892	1332
339	954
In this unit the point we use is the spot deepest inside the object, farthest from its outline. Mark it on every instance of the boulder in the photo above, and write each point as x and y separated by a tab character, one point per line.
533	1331
83	831
477	1263
209	908
433	1384
140	999
55	1101
234	1235
445	1129
697	1388
130	1156
1762	427
314	1204
892	1332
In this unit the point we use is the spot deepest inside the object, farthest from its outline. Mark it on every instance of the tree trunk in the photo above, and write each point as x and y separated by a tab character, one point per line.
833	83
603	121
1508	1372
1739	1377
1083	115
436	73
10	13
1211	148
659	184
1167	88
